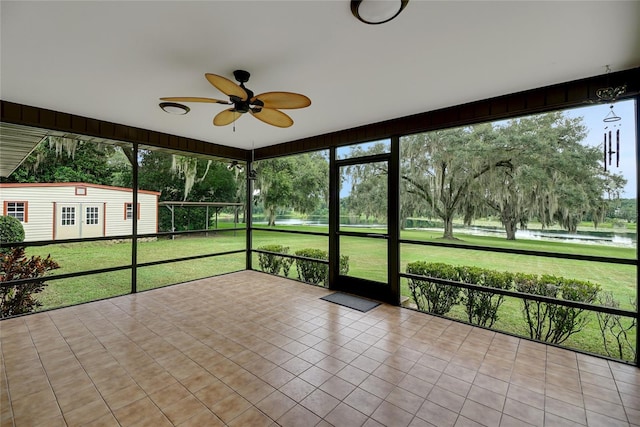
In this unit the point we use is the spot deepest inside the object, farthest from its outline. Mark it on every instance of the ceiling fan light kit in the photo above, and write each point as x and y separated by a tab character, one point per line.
265	107
174	108
377	11
234	164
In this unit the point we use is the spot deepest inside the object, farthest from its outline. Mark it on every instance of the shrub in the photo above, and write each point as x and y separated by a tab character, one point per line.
19	299
552	322
482	307
549	322
429	296
614	330
314	272
271	263
11	231
286	266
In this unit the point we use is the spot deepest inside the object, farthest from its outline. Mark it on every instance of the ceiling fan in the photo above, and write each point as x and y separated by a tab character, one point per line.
265	107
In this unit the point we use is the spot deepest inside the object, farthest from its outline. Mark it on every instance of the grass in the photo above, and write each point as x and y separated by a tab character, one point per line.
368	259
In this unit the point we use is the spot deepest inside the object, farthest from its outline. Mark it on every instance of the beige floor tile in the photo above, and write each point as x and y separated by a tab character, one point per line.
363	401
310	362
276	404
436	414
453	384
277	377
123	397
297	389
389	414
352	374
107	420
480	413
565	410
34	411
88	412
205	418
315	376
298	416
337	387
183	409
230	407
320	403
251	417
486	397
136	411
446	398
345	416
377	386
71	398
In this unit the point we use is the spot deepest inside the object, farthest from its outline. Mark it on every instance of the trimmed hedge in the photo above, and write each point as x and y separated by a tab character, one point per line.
545	321
551	322
429	296
272	264
309	271
317	273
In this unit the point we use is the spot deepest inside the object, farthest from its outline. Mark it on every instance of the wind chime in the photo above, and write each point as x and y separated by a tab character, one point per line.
610	94
609	152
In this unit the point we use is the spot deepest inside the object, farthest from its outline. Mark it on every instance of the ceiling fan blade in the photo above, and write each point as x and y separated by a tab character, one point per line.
226	86
283	100
193	99
226	117
273	117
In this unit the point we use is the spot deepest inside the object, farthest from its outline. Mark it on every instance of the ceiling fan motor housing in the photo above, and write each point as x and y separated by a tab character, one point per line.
241	75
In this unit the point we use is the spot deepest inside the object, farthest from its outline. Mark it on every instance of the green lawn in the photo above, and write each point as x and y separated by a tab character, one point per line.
367	259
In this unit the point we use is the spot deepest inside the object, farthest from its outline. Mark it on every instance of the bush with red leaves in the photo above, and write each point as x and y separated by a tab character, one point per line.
14	265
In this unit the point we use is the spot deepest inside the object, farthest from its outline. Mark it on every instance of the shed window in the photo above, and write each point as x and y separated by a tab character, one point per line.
17	210
68	215
128	211
92	215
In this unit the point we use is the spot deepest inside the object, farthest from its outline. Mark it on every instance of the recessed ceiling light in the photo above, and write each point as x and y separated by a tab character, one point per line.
174	108
377	11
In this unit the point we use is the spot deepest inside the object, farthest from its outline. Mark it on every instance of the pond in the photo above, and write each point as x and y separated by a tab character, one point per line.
611	238
621	238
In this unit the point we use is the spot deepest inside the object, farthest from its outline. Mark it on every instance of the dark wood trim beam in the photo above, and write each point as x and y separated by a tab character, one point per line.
561	96
47	119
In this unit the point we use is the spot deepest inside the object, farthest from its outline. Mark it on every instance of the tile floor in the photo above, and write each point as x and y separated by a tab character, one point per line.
249	349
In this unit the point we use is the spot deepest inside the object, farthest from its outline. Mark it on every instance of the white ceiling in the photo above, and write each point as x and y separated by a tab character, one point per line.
112	60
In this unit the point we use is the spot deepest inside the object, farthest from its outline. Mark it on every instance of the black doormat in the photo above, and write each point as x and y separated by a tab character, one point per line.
350	301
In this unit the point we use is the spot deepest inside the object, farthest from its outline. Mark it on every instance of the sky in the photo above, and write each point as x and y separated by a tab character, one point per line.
593	118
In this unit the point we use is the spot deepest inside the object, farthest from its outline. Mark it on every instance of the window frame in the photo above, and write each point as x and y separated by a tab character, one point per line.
128	206
68	219
93	217
25	209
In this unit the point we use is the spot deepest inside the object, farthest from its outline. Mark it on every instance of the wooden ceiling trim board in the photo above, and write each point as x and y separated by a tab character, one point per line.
47	119
557	96
63	122
516	103
523	103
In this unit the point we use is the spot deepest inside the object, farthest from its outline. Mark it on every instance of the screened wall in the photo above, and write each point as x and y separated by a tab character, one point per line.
489	213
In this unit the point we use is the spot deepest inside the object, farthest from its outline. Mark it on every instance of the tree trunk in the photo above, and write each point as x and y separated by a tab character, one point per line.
509	221
270	214
510	227
468	218
448	228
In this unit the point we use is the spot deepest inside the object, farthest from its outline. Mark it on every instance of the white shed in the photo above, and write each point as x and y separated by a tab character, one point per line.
71	210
